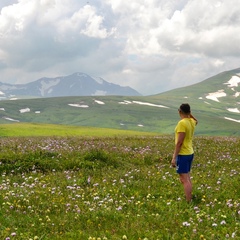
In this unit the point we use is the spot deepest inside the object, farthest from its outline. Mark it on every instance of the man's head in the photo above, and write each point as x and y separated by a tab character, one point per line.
185	108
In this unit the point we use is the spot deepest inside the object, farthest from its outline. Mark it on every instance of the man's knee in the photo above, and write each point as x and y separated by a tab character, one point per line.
183	178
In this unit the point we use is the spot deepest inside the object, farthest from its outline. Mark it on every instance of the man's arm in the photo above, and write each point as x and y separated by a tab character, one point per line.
181	136
191	116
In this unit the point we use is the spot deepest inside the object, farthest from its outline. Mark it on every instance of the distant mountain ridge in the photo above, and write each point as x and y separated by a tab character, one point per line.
77	84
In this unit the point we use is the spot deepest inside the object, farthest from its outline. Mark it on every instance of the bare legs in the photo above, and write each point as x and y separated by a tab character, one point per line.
187	185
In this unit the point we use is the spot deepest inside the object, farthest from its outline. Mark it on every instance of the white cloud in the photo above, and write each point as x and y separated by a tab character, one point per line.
84	21
152	46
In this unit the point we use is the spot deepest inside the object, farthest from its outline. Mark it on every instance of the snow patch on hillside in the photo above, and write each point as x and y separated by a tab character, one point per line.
46	85
235	110
215	95
142	103
10	119
149	104
78	105
232	119
24	110
233	82
99	102
125	102
98	80
82	75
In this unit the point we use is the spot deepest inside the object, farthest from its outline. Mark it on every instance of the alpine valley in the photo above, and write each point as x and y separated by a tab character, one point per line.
214	102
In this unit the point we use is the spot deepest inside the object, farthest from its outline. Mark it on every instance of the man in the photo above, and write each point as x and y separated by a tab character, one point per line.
183	152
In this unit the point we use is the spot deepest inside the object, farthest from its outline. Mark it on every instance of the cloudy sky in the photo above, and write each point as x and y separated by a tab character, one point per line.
150	45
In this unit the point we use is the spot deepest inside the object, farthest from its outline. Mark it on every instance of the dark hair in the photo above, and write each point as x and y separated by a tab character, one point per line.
185	108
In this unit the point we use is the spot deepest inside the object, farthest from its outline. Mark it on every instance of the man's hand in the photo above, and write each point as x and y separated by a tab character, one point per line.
173	162
191	116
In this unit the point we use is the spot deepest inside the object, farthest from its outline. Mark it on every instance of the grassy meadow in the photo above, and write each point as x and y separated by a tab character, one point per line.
116	187
39	129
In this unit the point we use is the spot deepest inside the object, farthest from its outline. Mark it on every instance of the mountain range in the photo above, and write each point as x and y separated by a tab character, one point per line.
214	102
77	84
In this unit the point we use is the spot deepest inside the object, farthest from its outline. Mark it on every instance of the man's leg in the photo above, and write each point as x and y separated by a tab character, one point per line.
187	185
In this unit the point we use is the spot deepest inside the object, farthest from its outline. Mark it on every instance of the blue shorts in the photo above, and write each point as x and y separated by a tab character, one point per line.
184	163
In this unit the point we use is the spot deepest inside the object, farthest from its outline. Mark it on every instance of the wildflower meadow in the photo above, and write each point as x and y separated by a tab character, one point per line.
117	188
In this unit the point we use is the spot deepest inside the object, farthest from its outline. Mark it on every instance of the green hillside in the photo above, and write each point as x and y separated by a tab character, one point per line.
210	113
144	114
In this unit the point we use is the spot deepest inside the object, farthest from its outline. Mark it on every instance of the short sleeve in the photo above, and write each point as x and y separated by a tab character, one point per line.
180	127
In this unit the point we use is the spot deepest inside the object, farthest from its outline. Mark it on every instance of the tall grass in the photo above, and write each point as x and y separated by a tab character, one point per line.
116	188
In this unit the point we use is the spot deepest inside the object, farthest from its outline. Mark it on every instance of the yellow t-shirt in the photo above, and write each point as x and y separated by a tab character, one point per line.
186	125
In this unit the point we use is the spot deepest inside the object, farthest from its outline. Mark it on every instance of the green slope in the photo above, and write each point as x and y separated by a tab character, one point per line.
210	113
138	117
110	115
